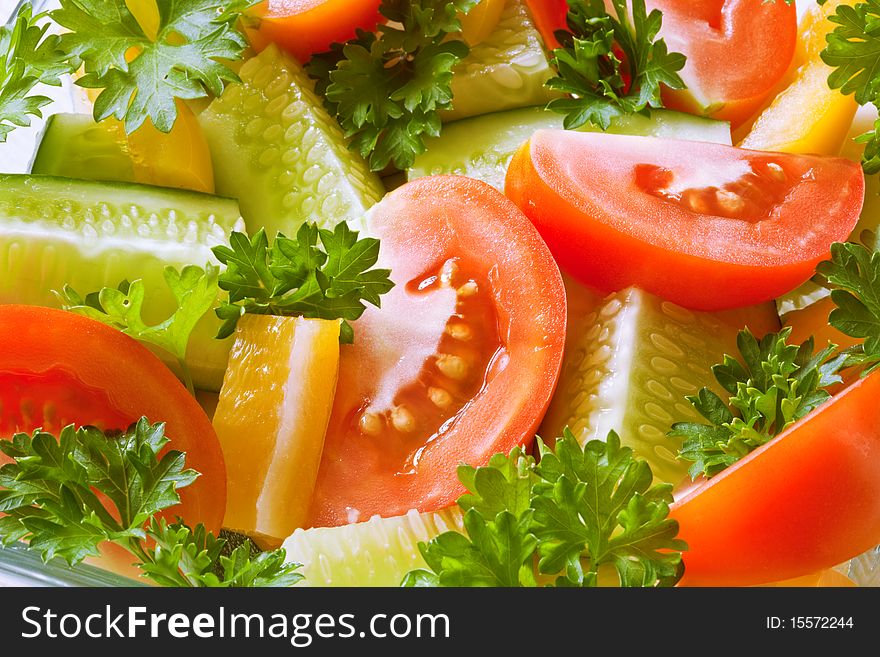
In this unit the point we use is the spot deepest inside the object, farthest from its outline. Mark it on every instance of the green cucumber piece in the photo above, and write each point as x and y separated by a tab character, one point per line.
629	363
505	71
482	147
378	552
89	235
276	150
74	146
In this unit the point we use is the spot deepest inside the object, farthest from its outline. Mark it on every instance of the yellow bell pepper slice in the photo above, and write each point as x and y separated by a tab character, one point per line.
479	23
806	116
271	419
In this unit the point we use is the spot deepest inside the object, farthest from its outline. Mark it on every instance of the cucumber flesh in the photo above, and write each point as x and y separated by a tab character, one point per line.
378	552
482	147
629	363
276	150
89	235
74	146
505	71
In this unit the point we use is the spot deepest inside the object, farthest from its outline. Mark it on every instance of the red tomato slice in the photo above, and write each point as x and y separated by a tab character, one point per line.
806	501
759	36
57	368
306	27
548	16
703	225
458	364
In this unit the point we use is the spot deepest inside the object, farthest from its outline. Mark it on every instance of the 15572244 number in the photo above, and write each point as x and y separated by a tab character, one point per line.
821	622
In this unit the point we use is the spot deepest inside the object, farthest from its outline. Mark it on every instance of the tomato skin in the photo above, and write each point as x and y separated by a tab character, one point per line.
43	344
421	225
759	36
806	501
583	194
307	27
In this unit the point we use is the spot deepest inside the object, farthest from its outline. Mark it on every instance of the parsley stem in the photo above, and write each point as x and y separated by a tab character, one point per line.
187	376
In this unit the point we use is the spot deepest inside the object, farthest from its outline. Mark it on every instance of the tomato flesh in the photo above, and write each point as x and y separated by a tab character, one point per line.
458	364
760	37
706	226
51	400
806	501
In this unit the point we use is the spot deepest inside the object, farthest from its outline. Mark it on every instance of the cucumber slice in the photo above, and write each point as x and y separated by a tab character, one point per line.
483	146
378	552
505	71
628	366
277	151
74	146
87	234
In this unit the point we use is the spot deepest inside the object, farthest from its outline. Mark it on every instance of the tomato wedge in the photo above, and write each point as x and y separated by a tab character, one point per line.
57	368
703	225
806	501
306	27
458	364
548	16
759	36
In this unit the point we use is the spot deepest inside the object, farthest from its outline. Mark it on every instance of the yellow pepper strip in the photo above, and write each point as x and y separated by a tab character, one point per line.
479	23
806	116
271	420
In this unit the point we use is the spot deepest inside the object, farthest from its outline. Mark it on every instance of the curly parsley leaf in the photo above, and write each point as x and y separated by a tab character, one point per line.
66	496
774	385
28	56
853	51
320	273
195	291
181	556
598	83
49	490
853	273
387	88
559	521
140	77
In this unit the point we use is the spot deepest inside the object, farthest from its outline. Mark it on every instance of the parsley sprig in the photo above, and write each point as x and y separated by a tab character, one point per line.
579	511
66	496
775	384
387	88
141	77
28	56
195	291
853	51
853	273
599	85
321	273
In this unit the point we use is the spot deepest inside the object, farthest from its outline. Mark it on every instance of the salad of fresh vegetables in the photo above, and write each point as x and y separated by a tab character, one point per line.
440	292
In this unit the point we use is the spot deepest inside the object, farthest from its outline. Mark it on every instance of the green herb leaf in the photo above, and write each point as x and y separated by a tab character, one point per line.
181	556
27	57
321	273
387	88
854	274
560	521
195	291
66	496
853	51
774	385
49	491
598	84
140	77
